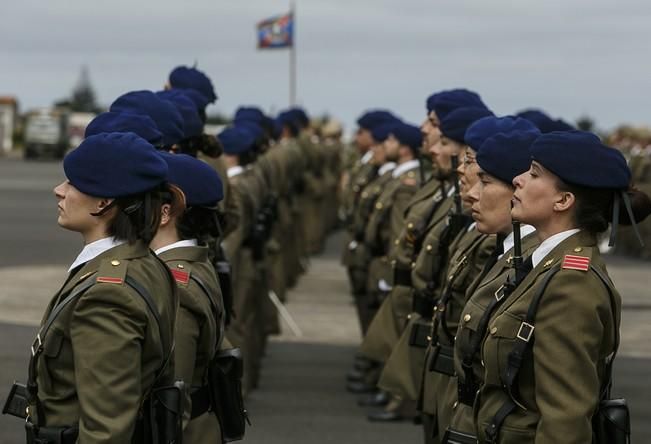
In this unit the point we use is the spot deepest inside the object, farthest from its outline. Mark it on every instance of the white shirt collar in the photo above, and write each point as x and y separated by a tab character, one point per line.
366	158
386	167
234	171
179	244
509	241
94	249
549	244
471	227
404	167
450	192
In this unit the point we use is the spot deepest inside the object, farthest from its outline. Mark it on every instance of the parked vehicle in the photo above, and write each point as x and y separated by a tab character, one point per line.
46	134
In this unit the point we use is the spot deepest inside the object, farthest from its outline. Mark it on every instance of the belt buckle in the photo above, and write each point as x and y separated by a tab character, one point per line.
525	331
37	344
499	293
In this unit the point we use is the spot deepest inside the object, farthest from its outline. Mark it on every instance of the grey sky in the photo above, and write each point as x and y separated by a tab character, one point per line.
568	57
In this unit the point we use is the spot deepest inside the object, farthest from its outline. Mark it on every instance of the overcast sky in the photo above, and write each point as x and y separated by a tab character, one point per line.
568	57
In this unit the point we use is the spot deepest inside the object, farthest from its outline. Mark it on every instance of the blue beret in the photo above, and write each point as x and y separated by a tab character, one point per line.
114	165
409	135
199	181
381	132
371	119
444	102
116	122
544	123
487	127
250	114
192	78
300	116
236	140
579	158
506	155
454	125
256	130
192	124
167	117
199	100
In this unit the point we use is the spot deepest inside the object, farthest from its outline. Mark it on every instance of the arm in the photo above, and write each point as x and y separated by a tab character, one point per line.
107	331
185	352
573	330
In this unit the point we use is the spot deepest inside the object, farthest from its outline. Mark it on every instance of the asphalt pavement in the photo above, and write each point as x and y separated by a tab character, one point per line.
301	398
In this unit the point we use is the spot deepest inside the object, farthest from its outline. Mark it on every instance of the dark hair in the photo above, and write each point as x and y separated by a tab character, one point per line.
594	206
138	216
204	143
199	223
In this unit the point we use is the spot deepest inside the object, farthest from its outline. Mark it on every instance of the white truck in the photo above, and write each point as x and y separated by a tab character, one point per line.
46	133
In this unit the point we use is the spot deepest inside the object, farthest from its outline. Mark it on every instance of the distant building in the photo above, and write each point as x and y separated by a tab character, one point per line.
8	117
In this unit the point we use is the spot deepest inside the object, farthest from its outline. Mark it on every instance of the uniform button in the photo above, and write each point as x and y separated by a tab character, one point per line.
379	205
364	195
456	403
429	338
436	309
482	363
410	225
393	263
467	317
428	248
408	316
493	330
413	265
115	262
578	249
180	266
397	242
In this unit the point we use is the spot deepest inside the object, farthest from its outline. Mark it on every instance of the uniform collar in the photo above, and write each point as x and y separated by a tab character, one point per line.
234	171
509	240
386	167
404	167
94	249
549	244
366	158
179	244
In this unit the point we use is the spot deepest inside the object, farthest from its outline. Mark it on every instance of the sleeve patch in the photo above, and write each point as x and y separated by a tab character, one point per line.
181	277
571	262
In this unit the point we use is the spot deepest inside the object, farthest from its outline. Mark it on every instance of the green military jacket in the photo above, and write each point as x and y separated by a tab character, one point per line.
468	254
104	351
480	293
199	330
360	176
558	387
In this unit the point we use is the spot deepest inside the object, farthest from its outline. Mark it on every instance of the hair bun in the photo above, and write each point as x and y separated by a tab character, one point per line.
640	204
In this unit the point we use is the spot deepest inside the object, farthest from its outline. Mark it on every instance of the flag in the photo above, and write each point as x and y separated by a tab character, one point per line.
276	32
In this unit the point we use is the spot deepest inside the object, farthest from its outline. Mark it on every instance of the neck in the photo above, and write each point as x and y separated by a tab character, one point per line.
552	227
404	159
94	234
164	236
231	161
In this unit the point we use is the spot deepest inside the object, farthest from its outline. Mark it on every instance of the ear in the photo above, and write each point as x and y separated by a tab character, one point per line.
165	214
102	204
564	201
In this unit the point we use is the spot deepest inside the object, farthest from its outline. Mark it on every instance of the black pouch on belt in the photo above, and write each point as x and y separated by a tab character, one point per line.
420	333
16	403
443	360
164	416
225	381
454	437
612	422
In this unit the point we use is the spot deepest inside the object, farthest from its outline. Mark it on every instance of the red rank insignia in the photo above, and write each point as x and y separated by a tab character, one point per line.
571	262
181	276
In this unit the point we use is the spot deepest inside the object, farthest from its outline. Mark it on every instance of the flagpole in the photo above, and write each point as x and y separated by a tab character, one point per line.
292	58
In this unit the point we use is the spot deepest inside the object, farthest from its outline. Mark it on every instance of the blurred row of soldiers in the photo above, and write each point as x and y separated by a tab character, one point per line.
635	144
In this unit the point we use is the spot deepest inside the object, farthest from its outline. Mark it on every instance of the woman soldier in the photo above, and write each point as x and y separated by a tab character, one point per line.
548	343
500	158
107	336
181	241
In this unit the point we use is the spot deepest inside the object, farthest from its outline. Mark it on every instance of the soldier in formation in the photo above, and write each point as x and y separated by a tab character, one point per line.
192	241
493	249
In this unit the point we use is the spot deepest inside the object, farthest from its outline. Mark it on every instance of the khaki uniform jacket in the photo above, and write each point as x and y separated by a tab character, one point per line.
479	295
560	382
103	352
471	251
199	331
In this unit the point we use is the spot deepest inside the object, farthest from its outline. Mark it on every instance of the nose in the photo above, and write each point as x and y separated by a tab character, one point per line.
518	180
59	190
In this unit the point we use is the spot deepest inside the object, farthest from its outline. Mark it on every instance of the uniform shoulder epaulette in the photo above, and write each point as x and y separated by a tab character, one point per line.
576	261
181	272
112	271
